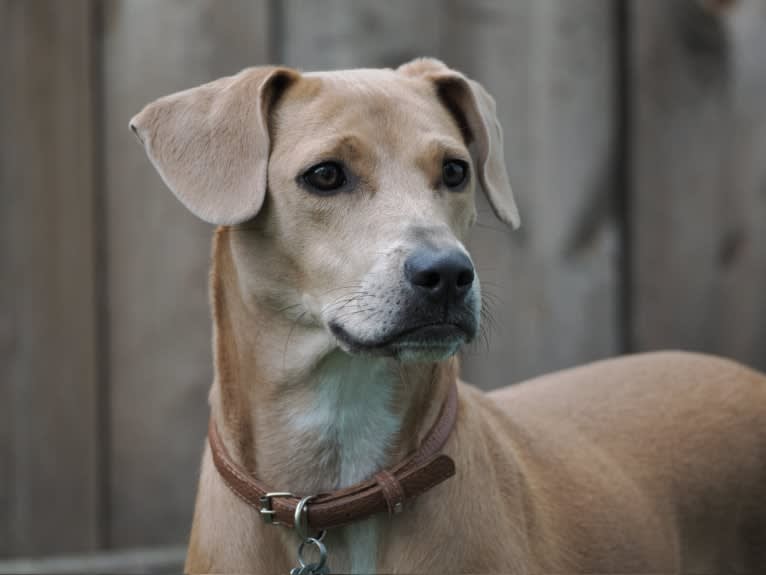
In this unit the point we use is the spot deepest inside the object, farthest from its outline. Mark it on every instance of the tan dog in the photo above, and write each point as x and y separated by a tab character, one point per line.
340	291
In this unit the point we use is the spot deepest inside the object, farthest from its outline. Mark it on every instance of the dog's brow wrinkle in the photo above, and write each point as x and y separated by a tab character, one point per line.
348	147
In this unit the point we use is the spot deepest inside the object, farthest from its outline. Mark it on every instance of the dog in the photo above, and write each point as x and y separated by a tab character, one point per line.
341	291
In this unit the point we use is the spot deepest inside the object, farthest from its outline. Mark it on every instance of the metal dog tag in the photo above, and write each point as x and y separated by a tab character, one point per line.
318	568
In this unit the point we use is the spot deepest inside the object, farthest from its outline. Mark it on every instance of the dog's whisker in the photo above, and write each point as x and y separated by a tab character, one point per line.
355	285
353	313
345	304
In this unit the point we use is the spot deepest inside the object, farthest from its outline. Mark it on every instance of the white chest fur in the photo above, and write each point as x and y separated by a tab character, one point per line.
353	412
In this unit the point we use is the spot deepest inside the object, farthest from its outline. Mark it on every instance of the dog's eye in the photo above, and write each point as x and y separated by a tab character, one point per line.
326	177
454	173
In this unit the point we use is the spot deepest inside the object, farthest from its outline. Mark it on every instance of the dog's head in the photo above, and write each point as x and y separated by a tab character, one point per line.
350	194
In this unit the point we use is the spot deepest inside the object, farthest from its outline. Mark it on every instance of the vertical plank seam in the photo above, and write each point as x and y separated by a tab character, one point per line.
623	172
276	32
8	473
100	259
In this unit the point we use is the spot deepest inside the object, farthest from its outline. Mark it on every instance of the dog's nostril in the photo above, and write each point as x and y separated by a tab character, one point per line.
427	279
465	278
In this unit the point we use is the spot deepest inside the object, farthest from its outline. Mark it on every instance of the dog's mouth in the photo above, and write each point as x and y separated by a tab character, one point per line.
428	341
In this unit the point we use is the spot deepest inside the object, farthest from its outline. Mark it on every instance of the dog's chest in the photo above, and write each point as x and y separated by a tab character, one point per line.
353	418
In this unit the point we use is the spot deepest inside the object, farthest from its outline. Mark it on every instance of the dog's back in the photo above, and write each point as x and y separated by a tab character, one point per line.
678	439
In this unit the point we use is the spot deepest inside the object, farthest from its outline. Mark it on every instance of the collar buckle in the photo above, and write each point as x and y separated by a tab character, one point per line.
267	511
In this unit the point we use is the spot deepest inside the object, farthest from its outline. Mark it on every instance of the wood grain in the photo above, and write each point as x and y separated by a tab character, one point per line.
160	360
49	472
144	560
365	33
698	201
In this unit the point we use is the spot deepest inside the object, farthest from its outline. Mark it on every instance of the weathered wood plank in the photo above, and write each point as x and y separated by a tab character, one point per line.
699	189
160	360
129	561
329	34
49	472
554	284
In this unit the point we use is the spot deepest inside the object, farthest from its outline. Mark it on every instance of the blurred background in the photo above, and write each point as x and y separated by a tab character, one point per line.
636	144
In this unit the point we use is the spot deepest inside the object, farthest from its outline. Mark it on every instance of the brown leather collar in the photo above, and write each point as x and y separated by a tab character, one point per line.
386	491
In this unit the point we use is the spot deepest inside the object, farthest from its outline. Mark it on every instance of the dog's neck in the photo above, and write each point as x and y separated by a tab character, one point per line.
303	415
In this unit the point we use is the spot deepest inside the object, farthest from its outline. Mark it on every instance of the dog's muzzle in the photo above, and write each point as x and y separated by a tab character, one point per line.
427	315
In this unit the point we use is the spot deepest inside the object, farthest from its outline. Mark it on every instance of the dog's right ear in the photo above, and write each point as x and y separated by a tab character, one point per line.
211	144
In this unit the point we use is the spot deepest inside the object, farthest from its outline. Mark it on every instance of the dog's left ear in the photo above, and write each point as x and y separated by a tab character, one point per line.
474	110
211	144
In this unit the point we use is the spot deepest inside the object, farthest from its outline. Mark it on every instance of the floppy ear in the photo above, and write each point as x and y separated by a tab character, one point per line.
210	144
474	110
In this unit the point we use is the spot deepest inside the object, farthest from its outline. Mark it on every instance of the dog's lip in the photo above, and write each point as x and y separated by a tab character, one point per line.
435	334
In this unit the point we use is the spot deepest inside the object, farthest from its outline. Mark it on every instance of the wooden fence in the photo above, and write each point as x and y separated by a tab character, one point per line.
636	141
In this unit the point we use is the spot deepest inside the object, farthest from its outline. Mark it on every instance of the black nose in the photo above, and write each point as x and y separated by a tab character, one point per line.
443	276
